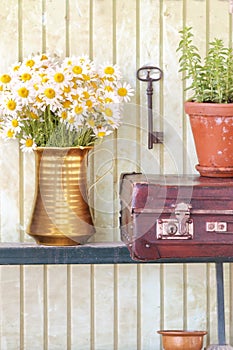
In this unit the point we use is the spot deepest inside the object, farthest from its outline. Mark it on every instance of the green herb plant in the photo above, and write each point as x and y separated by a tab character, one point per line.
212	77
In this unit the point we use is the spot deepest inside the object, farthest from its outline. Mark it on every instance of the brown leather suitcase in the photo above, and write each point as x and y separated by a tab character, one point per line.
176	216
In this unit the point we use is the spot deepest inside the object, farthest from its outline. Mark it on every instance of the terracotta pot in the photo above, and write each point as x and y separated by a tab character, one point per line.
212	127
182	340
61	214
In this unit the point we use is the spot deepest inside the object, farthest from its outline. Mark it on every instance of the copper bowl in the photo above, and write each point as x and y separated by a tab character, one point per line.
182	339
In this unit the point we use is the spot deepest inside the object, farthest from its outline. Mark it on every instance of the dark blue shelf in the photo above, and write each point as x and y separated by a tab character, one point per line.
92	253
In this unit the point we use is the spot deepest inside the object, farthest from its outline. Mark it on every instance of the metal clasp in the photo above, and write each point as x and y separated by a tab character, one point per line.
182	213
178	227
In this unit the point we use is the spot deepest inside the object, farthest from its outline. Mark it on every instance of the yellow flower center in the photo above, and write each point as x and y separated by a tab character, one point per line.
77	70
14	123
16	68
64	115
109	70
101	134
10	133
43	57
23	92
5	78
59	77
29	143
108	112
11	105
49	93
66	104
38	99
89	103
78	109
108	100
75	97
30	63
122	91
86	94
26	76
108	88
86	77
66	89
71	120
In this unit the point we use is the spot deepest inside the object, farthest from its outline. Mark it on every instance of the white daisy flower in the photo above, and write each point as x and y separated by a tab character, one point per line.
101	132
27	144
110	72
124	91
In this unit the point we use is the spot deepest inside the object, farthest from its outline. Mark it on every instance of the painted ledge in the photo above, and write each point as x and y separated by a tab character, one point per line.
92	253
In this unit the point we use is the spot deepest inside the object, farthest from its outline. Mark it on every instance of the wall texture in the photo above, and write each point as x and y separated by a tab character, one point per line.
108	307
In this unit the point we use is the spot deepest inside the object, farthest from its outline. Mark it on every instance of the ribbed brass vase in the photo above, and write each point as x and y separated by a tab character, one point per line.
61	214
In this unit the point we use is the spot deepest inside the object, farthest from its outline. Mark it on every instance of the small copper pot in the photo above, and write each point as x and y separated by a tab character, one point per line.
182	339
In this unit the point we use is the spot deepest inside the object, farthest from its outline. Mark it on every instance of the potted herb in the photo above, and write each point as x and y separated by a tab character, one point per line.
210	108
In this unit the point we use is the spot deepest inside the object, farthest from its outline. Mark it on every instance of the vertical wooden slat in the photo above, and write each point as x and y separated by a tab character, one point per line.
9	308
33	308
173	121
81	307
149	50
173	296
150	306
104	311
127	303
196	303
57	307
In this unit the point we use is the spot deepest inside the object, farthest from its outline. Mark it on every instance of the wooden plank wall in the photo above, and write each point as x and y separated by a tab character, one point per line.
108	307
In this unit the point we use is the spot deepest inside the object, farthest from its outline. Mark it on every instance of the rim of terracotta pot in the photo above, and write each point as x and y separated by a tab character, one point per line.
182	332
209	109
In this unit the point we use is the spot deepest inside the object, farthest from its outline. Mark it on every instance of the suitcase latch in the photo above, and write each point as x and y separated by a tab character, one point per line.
178	227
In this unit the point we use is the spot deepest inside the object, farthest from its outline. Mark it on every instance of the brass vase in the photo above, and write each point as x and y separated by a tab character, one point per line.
61	214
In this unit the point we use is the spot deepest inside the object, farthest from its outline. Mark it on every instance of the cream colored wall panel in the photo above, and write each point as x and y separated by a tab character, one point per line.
173	111
10	208
150	49
105	154
127	145
103	307
9	308
150	306
32	22
127	307
81	303
173	296
33	307
196	298
10	222
103	18
195	16
79	27
102	190
54	21
57	307
219	20
8	26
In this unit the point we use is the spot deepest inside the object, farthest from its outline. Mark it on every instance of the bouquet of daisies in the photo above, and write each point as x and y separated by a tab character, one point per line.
49	102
